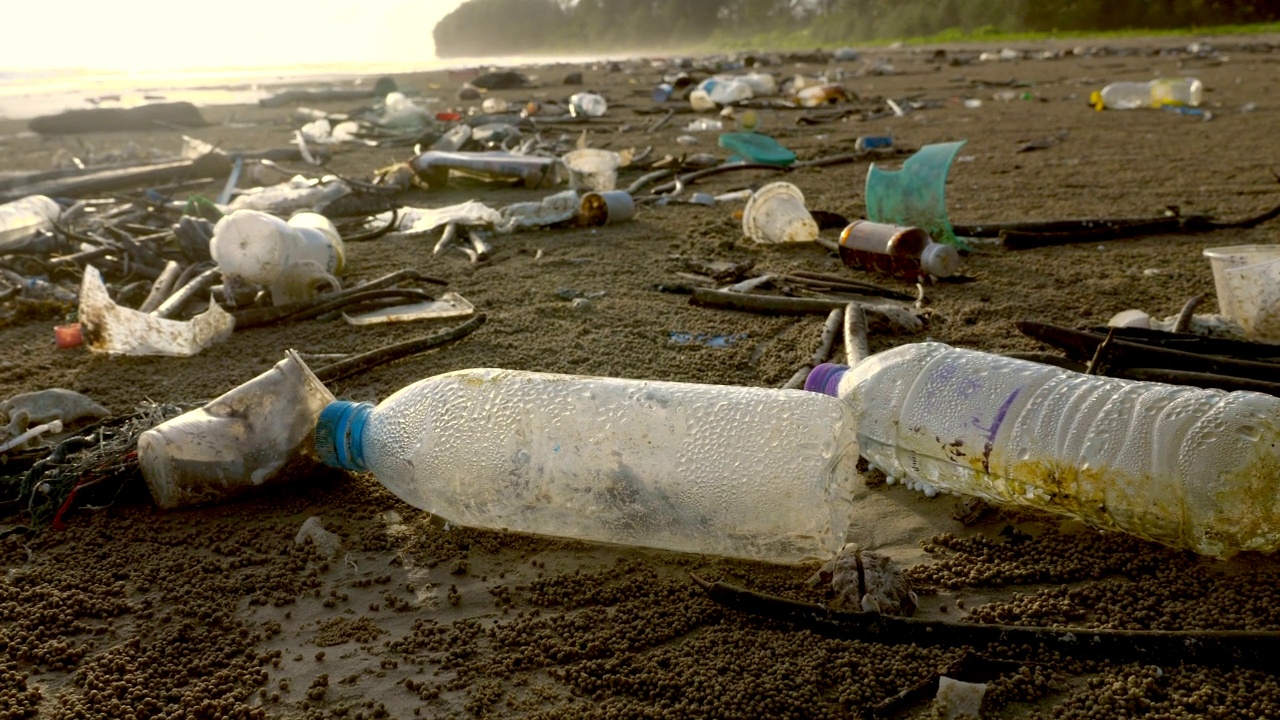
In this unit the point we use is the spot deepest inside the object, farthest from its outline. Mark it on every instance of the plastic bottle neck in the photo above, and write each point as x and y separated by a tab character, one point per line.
339	435
825	378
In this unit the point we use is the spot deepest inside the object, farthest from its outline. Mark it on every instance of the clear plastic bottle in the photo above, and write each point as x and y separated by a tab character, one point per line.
900	251
736	471
256	247
1155	93
1191	468
22	219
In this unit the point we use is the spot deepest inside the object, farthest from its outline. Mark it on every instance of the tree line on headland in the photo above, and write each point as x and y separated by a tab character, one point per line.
531	27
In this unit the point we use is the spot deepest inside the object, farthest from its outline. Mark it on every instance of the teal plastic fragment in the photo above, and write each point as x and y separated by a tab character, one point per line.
916	194
756	148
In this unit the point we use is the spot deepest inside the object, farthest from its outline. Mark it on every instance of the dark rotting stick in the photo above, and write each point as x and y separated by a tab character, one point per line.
1197	379
766	304
381	356
1079	344
257	316
1210	647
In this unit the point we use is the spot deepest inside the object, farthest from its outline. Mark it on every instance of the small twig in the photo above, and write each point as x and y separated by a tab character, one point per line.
644	180
835	320
662	122
365	361
1183	323
829	331
1099	354
856	347
447	236
483	250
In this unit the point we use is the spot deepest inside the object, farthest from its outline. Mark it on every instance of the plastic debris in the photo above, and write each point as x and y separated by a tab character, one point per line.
109	328
448	305
916	194
257	433
313	529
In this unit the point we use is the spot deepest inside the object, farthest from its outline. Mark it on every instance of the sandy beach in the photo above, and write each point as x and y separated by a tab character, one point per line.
216	612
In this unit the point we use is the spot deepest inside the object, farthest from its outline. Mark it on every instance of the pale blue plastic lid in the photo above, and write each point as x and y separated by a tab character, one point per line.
339	435
825	378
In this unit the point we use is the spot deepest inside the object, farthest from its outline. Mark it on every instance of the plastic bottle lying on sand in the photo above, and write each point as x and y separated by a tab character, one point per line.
1191	468
1155	93
736	471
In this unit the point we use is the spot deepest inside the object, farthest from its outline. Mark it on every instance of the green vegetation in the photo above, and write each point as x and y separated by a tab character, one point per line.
528	27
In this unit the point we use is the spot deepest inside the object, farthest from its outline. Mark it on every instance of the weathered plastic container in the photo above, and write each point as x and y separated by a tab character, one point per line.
592	169
257	247
258	433
1247	281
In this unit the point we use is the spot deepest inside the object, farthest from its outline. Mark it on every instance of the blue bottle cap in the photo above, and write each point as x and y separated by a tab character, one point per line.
339	435
825	378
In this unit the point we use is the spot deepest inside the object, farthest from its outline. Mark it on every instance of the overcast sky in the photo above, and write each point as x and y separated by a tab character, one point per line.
150	36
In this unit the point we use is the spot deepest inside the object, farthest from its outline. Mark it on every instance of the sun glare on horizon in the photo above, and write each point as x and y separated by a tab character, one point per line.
138	36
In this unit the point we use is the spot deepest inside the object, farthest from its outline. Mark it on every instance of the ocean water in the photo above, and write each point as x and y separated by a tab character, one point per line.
29	93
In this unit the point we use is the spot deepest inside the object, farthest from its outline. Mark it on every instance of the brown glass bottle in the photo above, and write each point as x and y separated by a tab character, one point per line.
897	250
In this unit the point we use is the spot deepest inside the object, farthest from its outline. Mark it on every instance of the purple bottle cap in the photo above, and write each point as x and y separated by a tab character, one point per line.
825	378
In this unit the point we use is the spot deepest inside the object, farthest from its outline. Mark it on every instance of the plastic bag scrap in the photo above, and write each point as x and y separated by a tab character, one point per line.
109	328
420	221
299	193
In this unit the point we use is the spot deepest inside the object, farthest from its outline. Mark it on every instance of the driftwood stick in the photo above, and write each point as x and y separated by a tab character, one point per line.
831	329
1047	358
856	348
1080	344
1198	379
766	304
1210	647
830	282
182	295
797	380
381	356
1049	227
1183	323
161	288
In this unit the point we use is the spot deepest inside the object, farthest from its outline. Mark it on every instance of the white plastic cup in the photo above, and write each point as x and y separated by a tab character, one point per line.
1255	290
776	214
606	208
591	169
1224	259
